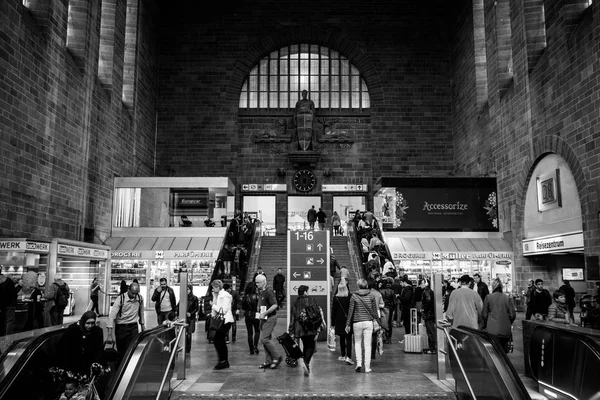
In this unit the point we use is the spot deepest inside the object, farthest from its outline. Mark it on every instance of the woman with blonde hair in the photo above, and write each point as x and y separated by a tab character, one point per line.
339	315
498	315
221	304
361	314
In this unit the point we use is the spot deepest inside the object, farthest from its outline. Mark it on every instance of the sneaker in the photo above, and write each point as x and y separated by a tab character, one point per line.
357	369
342	358
367	370
349	361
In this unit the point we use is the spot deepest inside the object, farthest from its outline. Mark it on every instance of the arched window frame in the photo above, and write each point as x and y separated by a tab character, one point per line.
276	82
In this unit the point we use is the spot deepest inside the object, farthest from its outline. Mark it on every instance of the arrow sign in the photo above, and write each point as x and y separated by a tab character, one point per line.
295	288
295	274
320	261
320	246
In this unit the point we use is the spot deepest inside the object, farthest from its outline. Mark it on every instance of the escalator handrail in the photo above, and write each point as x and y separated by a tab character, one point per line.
500	359
23	355
139	343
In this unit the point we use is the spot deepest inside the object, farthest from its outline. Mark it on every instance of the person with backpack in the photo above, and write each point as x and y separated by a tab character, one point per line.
125	314
306	321
165	302
57	296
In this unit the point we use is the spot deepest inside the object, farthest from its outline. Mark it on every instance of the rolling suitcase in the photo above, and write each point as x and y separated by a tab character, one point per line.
291	348
413	342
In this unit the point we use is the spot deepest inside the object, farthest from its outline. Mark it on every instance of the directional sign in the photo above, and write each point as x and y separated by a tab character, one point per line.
308	264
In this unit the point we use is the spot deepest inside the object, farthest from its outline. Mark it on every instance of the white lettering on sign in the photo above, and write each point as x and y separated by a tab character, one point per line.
11	245
193	254
445	206
191	201
409	255
125	254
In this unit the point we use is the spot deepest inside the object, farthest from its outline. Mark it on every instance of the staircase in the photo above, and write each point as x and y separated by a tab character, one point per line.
272	255
340	244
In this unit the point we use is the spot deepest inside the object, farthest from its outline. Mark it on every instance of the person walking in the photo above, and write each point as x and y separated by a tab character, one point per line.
540	301
498	315
94	290
321	219
250	307
190	317
336	222
465	306
267	314
125	314
307	332
165	302
311	216
57	296
428	314
389	300
481	287
235	301
361	314
407	302
279	287
81	345
339	315
221	303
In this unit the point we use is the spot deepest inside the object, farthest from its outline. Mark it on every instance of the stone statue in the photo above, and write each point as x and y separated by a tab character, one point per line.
304	115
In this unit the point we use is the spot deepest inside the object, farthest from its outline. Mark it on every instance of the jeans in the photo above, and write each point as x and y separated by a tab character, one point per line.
266	329
56	315
252	326
431	329
220	342
124	335
363	334
308	347
346	345
95	307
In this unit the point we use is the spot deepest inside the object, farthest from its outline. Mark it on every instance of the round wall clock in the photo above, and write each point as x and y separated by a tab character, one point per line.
304	180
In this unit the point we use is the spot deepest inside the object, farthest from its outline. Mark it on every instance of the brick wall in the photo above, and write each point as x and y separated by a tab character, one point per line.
401	48
550	105
65	135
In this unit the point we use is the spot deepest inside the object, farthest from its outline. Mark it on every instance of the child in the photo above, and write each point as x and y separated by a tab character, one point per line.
72	392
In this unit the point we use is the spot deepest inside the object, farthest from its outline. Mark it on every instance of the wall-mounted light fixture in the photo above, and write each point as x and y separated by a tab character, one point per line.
327	172
281	172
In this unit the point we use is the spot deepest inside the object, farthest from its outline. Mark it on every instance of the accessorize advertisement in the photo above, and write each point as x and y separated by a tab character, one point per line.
439	204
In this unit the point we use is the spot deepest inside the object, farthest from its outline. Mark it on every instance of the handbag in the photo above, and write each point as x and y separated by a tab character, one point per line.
376	323
217	321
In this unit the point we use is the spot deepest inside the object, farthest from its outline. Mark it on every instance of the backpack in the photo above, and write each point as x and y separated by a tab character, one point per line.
310	317
61	298
139	299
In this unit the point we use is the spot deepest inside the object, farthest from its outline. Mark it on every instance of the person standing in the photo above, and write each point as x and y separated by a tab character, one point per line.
465	306
57	296
569	295
311	216
407	301
482	288
94	290
235	300
540	301
165	302
81	345
334	265
279	287
559	310
361	314
387	313
339	315
190	317
528	297
267	315
336	222
498	315
296	329
250	307
321	219
125	314
221	303
428	314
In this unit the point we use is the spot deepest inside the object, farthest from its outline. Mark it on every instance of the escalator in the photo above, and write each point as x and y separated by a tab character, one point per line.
24	367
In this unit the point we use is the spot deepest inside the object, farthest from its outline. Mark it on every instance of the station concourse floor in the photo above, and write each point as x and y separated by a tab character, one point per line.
395	374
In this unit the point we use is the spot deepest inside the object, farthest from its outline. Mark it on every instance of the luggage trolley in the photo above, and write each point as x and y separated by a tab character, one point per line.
292	350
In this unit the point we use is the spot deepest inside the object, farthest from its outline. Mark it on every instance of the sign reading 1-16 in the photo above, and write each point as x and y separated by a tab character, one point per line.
308	264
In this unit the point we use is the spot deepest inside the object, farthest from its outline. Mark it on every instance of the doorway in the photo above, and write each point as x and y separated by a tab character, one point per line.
298	207
345	206
263	208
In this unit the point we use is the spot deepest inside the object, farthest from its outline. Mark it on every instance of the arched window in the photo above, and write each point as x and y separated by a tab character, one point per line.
277	81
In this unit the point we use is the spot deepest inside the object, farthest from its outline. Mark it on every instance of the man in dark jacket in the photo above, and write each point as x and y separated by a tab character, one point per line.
389	300
540	300
482	288
408	302
279	286
569	295
165	302
528	296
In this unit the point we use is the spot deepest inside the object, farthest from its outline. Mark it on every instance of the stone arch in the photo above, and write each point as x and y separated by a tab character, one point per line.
311	35
541	147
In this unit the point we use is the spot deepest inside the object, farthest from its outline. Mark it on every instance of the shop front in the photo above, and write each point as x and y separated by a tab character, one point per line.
446	226
553	227
18	256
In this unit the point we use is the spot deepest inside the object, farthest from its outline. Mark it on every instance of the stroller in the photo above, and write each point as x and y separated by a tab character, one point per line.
292	350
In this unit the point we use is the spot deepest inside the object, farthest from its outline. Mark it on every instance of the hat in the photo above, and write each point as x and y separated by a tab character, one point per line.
226	286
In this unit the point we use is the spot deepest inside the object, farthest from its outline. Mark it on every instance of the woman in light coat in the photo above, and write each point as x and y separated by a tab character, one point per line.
221	303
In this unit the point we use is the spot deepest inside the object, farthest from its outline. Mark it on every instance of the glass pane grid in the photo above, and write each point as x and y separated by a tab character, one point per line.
277	80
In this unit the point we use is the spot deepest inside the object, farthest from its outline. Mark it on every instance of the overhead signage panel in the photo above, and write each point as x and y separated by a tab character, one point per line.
563	243
264	187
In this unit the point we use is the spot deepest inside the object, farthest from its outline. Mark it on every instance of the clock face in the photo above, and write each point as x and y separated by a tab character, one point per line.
304	180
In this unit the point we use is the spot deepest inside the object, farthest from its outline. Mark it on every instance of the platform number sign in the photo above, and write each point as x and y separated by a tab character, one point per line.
308	264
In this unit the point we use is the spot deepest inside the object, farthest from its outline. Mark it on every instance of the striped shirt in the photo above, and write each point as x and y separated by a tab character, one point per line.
363	307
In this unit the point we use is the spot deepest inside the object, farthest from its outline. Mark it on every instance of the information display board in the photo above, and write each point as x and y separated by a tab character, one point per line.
308	264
